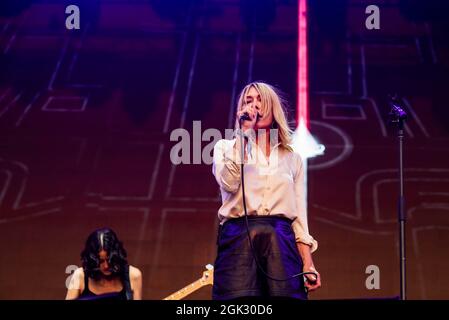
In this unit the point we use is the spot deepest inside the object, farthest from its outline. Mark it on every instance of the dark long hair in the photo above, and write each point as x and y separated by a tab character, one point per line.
104	239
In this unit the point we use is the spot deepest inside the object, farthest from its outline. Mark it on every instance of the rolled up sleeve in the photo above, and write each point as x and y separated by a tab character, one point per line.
300	224
226	165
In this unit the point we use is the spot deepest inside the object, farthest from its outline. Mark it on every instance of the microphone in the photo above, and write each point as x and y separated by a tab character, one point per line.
397	112
245	116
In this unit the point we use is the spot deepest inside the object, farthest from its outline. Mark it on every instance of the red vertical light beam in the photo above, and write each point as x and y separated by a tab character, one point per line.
302	103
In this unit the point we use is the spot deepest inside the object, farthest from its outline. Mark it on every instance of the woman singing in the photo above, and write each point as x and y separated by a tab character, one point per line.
275	202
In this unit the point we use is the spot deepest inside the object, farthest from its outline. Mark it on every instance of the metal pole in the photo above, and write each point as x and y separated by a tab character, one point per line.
398	116
401	213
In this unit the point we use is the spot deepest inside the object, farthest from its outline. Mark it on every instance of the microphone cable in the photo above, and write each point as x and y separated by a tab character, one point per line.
242	176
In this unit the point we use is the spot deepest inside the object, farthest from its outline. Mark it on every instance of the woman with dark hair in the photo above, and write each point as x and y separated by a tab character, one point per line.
106	273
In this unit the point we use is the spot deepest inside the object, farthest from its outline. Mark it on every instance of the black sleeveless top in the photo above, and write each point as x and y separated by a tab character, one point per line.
89	295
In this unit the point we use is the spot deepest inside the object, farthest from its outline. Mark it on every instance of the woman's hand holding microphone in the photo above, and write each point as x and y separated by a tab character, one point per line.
248	117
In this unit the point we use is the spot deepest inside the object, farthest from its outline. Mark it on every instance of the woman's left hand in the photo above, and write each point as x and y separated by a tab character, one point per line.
312	281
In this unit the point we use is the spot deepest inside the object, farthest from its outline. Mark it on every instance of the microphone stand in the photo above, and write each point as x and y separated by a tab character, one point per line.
398	116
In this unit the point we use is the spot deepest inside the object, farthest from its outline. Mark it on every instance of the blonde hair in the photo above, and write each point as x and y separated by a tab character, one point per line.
272	102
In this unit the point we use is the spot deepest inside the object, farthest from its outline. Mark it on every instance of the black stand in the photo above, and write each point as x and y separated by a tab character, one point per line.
398	117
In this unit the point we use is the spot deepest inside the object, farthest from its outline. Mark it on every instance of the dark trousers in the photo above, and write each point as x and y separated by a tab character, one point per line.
236	274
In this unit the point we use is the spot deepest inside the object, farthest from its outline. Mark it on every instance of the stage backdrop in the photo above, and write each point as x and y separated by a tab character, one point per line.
86	117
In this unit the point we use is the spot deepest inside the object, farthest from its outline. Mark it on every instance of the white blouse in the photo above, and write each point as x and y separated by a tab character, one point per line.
273	186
